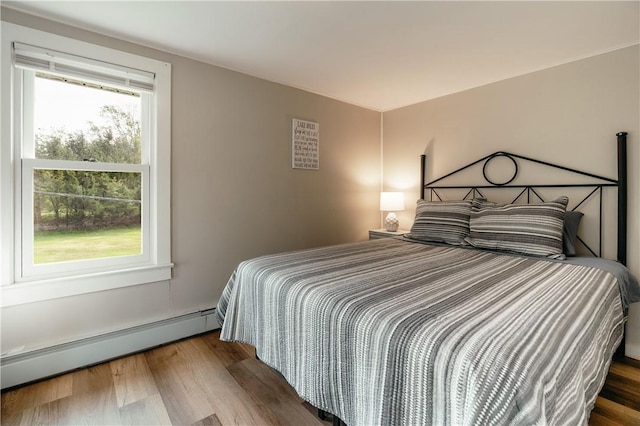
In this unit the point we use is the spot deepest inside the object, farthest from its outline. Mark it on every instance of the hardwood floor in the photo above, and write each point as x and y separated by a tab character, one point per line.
619	400
202	381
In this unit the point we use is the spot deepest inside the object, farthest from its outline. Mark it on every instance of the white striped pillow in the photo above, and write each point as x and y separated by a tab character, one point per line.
532	229
442	221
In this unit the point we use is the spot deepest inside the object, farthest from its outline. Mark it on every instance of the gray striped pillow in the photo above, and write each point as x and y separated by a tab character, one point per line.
532	229
442	221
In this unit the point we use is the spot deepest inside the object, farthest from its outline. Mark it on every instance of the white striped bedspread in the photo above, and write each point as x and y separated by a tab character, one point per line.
393	332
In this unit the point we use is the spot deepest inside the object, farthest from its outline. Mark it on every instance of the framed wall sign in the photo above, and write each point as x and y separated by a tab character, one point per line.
305	145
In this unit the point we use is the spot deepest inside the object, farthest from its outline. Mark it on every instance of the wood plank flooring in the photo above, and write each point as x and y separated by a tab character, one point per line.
202	381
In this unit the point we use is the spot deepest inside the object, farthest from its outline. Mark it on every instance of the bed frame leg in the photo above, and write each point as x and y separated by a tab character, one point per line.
618	355
322	415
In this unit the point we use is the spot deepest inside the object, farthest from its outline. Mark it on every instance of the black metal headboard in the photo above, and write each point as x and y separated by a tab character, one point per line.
531	189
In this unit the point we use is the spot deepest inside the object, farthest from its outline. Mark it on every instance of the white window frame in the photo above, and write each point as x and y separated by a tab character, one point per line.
20	280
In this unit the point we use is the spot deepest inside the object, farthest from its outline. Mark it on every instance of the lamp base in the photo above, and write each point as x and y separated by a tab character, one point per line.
391	222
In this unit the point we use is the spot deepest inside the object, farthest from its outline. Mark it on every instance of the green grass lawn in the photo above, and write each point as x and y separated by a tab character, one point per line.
61	246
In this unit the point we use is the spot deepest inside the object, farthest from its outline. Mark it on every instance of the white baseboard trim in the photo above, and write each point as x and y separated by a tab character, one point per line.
632	351
39	364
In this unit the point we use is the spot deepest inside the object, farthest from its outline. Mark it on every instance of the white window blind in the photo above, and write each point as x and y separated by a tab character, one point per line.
40	59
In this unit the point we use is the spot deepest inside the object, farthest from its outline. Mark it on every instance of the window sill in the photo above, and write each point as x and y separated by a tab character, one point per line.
37	291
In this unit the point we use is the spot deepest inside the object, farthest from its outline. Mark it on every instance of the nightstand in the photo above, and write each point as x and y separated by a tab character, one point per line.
374	234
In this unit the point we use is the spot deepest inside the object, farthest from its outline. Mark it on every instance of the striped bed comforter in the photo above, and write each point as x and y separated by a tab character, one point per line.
400	333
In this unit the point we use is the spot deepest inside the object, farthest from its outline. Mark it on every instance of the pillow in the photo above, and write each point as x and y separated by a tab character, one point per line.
570	232
442	221
531	229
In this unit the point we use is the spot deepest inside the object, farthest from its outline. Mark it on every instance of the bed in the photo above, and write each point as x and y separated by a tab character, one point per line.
446	325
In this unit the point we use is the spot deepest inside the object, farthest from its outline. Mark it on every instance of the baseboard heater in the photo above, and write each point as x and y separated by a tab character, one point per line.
39	364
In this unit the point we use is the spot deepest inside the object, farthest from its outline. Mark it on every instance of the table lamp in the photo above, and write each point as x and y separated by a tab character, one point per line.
391	202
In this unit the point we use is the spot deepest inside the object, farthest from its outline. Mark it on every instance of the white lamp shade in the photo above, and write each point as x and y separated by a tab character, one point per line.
391	201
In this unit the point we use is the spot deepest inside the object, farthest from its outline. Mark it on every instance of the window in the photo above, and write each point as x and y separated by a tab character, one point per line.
84	165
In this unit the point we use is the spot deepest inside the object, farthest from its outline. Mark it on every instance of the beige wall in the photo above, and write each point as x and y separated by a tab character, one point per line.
567	115
234	193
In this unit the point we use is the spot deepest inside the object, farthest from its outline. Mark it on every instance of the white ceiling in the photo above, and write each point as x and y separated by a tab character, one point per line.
380	55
